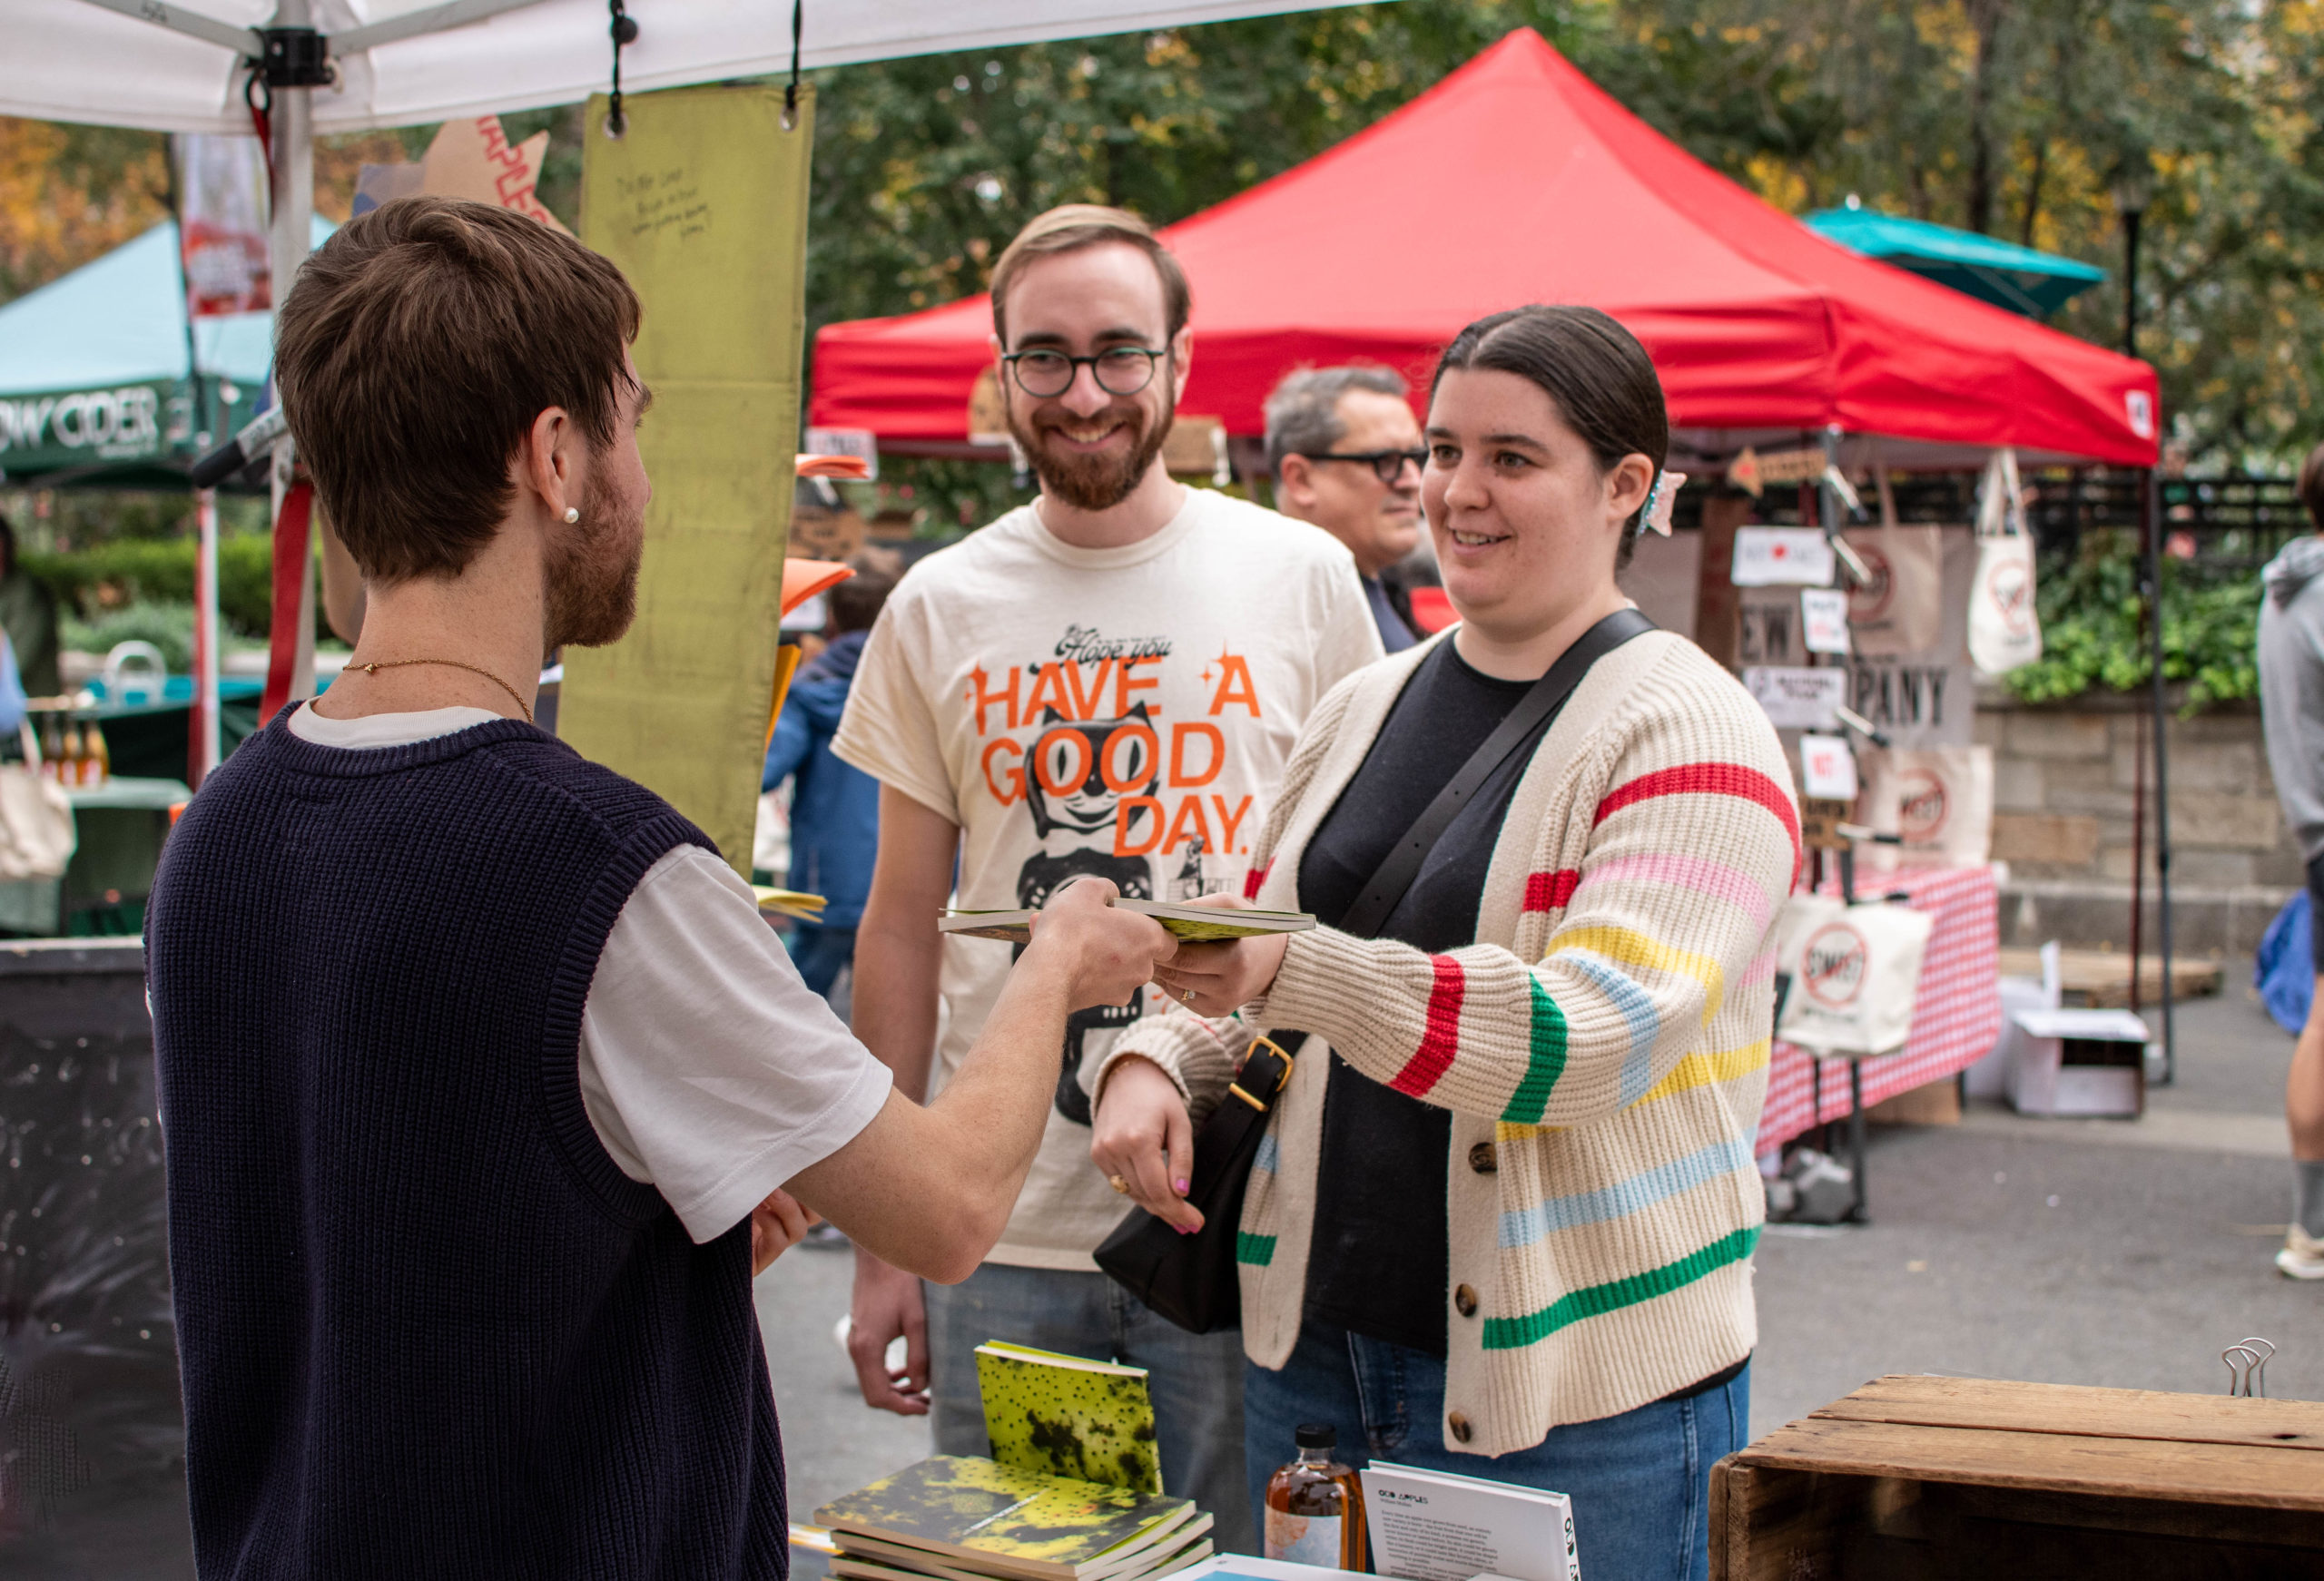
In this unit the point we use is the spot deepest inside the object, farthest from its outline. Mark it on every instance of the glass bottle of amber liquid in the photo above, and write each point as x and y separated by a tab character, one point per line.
1315	1505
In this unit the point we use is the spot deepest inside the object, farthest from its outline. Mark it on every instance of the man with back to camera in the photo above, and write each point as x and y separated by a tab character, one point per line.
1347	452
2291	711
1107	681
487	1090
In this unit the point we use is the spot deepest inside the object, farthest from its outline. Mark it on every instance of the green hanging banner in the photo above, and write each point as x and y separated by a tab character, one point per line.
703	203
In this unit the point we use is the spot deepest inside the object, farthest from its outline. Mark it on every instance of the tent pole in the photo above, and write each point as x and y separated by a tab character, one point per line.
292	132
2152	513
206	746
201	747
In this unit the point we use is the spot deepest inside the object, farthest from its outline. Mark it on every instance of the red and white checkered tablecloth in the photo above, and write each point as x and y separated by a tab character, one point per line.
1956	1016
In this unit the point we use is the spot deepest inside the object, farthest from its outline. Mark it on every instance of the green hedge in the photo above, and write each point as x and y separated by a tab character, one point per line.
161	571
2091	634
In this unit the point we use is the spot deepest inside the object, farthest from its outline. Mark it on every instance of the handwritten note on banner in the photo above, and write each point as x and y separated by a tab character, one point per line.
703	205
1781	556
1800	699
1827	768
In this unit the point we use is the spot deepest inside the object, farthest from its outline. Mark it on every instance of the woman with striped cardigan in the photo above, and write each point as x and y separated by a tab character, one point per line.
1502	1220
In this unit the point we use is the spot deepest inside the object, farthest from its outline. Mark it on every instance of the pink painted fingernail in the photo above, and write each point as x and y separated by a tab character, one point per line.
1179	1186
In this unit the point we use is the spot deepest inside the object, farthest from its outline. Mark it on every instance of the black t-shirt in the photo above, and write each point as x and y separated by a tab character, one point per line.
1376	1265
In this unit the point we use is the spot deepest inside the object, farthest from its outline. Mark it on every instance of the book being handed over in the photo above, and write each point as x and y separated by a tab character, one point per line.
1195	924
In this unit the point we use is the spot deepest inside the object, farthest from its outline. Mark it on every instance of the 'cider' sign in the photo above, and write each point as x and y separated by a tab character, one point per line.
77	427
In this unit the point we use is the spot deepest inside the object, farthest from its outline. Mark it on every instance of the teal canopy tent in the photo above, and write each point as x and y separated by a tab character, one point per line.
2019	279
95	385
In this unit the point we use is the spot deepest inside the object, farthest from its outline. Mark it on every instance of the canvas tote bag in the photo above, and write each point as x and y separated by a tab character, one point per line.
2004	631
1938	800
1855	972
37	831
1902	609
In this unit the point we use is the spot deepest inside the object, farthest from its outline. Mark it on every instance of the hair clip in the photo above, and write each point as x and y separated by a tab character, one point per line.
1656	516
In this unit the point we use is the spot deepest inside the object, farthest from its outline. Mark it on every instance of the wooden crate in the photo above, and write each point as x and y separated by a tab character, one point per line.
2100	979
1912	1477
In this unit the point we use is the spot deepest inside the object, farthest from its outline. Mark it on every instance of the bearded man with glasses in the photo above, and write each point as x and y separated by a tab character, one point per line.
1107	681
1346	453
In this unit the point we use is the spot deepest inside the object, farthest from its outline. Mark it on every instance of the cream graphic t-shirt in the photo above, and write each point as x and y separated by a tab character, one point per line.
1126	712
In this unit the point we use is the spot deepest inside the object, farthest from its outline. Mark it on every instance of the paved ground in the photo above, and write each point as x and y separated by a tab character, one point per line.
2099	1253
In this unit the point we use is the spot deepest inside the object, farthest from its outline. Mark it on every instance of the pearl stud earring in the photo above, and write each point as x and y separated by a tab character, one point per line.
572	514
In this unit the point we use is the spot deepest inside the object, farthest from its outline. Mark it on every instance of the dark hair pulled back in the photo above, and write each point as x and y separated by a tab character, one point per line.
1599	377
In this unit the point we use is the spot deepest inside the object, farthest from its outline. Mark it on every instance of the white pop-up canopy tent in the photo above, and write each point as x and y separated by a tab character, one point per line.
180	68
348	65
345	65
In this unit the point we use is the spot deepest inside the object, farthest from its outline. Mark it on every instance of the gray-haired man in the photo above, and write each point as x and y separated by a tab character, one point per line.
1346	451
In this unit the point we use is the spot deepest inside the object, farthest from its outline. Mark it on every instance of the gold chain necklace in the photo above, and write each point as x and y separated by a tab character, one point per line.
374	669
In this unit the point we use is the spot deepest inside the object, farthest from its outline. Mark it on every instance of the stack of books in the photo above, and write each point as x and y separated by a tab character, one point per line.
966	1518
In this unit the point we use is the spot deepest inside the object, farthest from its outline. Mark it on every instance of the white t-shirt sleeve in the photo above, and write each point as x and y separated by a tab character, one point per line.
1347	638
889	730
708	1068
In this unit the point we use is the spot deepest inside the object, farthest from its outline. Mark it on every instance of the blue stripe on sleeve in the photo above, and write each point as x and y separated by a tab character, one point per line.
1637	1008
1524	1226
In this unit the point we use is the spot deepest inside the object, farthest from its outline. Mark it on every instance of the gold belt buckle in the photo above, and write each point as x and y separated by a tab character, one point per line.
1281	1081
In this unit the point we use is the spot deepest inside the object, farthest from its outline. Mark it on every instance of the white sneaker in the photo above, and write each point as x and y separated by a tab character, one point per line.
2302	1256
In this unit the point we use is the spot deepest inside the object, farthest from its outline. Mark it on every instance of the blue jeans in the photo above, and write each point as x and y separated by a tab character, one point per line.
1639	1481
1193	1378
819	953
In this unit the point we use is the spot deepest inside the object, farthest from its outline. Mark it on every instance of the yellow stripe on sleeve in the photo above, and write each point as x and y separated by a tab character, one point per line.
1709	1067
1634	948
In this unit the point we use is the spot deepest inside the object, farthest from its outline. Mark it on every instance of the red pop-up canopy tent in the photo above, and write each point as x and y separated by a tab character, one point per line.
1516	179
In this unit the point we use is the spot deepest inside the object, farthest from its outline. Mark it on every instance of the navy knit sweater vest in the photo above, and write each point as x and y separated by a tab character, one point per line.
426	1326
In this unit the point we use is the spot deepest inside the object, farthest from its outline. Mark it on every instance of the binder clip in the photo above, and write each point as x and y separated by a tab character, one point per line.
2247	1367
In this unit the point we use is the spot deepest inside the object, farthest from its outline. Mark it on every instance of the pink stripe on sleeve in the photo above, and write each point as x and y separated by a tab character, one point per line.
1709	877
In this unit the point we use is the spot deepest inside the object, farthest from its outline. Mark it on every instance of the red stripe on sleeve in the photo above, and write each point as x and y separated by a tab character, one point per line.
1434	1057
1708	779
1252	879
1550	891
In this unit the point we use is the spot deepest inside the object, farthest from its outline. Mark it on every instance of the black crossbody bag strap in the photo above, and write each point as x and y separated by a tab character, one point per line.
1396	874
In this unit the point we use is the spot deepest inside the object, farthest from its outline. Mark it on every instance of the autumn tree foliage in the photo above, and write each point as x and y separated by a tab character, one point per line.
69	193
2013	117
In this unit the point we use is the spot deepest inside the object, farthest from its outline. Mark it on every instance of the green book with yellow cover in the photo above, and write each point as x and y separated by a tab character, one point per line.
1005	1522
870	1559
1068	1416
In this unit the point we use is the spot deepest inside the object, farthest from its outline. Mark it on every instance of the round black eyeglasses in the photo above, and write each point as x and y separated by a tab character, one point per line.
1386	465
1122	371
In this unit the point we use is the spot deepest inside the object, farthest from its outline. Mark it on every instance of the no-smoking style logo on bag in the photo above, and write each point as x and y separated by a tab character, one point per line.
1869	600
1832	967
1923	808
2009	582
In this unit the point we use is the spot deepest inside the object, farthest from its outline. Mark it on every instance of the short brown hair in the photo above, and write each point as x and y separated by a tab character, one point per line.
414	353
2312	487
1069	227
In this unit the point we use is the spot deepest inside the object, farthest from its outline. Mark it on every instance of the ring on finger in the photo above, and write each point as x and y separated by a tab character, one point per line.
1118	1183
1189	996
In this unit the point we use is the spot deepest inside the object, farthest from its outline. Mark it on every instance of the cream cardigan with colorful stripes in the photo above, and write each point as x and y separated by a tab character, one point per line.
1603	1046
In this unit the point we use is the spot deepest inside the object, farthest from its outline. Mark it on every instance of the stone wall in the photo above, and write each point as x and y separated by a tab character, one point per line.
2063	809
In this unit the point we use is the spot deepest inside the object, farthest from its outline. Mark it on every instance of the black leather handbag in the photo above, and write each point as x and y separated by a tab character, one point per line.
1192	1280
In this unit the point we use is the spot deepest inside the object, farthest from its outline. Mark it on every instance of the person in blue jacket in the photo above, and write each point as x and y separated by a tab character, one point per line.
835	807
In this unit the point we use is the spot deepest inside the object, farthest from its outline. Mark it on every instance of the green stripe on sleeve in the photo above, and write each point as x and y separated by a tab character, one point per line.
1598	1300
1258	1250
1544	1064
